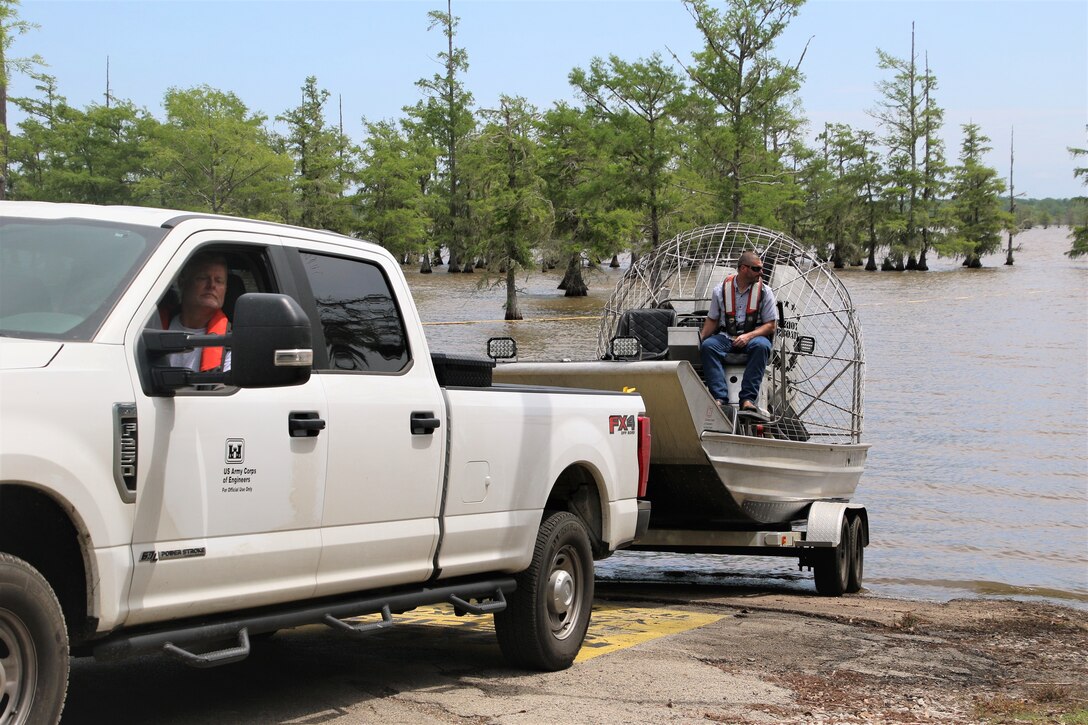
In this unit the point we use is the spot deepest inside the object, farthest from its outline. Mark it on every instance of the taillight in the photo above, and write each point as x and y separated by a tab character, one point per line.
643	454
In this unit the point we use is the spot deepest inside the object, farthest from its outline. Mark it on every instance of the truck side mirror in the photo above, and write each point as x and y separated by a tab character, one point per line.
270	342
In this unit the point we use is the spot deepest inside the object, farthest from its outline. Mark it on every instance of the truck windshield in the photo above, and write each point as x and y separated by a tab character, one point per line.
59	278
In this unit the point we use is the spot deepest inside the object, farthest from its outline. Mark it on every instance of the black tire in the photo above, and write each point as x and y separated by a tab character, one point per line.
546	617
857	557
832	569
33	646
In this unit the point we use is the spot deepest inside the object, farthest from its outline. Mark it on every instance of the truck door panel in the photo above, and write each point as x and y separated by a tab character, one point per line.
494	522
383	488
228	505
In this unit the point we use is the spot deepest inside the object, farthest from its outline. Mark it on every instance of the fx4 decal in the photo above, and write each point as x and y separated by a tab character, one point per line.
623	424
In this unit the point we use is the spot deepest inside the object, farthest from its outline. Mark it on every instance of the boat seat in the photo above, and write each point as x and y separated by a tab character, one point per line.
651	327
683	344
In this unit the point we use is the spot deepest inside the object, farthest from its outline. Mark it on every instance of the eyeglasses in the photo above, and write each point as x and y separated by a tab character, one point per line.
754	267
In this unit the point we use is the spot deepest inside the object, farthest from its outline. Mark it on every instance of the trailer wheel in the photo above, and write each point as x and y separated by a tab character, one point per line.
33	646
857	557
832	569
546	617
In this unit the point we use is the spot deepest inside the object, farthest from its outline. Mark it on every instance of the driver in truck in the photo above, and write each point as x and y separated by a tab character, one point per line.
203	285
742	319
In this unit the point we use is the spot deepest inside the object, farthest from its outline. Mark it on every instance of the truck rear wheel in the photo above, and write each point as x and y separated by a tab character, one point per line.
832	569
33	646
546	618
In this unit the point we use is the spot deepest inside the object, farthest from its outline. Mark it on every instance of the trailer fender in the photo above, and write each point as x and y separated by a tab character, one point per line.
825	521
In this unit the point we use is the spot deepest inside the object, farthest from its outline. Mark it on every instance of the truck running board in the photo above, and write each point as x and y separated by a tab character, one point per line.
361	629
461	607
212	659
180	638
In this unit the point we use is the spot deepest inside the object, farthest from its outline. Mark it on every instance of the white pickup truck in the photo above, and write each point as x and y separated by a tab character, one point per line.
336	469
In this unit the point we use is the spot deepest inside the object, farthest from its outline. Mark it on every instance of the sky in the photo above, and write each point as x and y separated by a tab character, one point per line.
1017	68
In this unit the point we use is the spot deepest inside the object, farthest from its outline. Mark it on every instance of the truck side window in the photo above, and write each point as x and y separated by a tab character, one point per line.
362	325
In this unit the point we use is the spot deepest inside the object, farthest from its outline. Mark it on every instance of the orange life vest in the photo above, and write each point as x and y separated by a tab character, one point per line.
210	357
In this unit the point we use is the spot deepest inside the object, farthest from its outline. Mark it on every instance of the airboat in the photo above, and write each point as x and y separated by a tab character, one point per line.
780	483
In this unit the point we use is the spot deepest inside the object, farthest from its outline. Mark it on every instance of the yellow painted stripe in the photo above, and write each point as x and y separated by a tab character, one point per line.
612	628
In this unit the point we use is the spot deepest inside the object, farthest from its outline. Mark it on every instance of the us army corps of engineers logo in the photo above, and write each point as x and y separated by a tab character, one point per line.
236	450
237	478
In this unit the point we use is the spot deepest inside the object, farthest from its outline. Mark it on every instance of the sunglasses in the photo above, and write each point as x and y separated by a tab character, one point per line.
754	267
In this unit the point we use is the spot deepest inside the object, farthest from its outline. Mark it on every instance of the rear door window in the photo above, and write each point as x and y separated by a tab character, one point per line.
362	325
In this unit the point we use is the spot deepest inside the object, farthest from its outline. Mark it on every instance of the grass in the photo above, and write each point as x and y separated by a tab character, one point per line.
1047	702
907	622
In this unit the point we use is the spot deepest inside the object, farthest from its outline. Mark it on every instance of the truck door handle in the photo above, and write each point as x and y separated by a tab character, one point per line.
424	423
304	425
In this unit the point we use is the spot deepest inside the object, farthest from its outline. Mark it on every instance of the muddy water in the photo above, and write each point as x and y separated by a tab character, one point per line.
976	407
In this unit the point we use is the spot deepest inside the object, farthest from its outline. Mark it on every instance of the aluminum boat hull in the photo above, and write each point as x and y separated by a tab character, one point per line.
702	476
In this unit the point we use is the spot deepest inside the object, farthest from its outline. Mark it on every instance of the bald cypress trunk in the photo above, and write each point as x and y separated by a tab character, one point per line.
512	311
573	284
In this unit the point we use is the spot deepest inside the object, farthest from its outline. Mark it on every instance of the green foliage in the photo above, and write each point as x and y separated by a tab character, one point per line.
322	171
10	28
1079	236
638	102
832	211
1080	231
93	155
977	213
1044	212
445	117
916	169
391	199
747	112
511	211
213	154
583	184
511	214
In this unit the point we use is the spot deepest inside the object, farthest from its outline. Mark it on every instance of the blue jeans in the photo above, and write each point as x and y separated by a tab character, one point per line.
713	352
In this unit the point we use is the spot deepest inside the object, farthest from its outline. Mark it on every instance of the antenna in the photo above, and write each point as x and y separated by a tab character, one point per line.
340	143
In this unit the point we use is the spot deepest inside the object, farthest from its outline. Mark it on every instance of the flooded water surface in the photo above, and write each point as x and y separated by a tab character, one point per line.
976	406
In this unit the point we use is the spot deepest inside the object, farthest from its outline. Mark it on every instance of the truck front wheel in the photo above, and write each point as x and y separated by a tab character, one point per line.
33	646
547	616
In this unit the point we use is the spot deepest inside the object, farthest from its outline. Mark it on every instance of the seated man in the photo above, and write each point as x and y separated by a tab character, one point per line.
742	319
203	286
